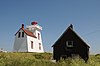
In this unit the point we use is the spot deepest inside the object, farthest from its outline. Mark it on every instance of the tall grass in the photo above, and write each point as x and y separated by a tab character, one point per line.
43	59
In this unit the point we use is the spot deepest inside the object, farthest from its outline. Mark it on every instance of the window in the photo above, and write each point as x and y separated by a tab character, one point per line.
31	44
69	44
39	46
22	34
38	36
19	35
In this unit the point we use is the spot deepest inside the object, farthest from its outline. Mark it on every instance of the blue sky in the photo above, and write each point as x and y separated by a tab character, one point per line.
54	16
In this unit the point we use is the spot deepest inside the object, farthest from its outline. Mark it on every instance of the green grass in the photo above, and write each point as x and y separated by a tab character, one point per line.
43	59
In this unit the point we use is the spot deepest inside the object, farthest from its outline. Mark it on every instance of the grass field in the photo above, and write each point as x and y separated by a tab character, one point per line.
43	59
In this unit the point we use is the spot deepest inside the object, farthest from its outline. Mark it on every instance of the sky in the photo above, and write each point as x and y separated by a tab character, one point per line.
54	16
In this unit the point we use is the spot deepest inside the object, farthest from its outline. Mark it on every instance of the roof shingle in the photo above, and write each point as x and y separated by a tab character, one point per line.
27	32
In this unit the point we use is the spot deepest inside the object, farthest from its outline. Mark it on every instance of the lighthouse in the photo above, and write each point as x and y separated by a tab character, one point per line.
29	39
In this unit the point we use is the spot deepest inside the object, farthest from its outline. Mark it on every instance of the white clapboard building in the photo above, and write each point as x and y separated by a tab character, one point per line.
29	39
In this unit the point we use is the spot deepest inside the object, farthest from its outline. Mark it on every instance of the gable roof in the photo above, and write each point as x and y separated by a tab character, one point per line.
71	29
27	32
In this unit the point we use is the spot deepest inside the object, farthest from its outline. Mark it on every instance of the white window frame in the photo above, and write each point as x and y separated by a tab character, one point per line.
38	36
69	45
32	45
39	46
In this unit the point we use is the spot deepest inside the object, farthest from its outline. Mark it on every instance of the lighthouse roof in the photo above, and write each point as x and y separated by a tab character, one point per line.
27	32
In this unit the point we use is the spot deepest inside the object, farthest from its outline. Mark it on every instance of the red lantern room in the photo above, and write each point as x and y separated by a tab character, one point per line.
34	23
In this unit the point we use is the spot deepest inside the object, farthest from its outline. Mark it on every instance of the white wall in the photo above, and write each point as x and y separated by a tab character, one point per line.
23	44
35	45
20	43
39	41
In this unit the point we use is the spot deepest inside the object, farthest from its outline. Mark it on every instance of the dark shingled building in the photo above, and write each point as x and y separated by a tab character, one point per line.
70	45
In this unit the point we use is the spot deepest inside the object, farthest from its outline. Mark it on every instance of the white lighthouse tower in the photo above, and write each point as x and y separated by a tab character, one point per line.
29	39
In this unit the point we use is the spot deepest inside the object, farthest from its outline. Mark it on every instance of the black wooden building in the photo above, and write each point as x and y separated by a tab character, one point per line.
70	44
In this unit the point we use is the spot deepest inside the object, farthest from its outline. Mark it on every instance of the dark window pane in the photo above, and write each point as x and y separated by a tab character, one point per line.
19	35
22	34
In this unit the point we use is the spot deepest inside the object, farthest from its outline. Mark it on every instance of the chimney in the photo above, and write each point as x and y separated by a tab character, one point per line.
22	25
71	26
